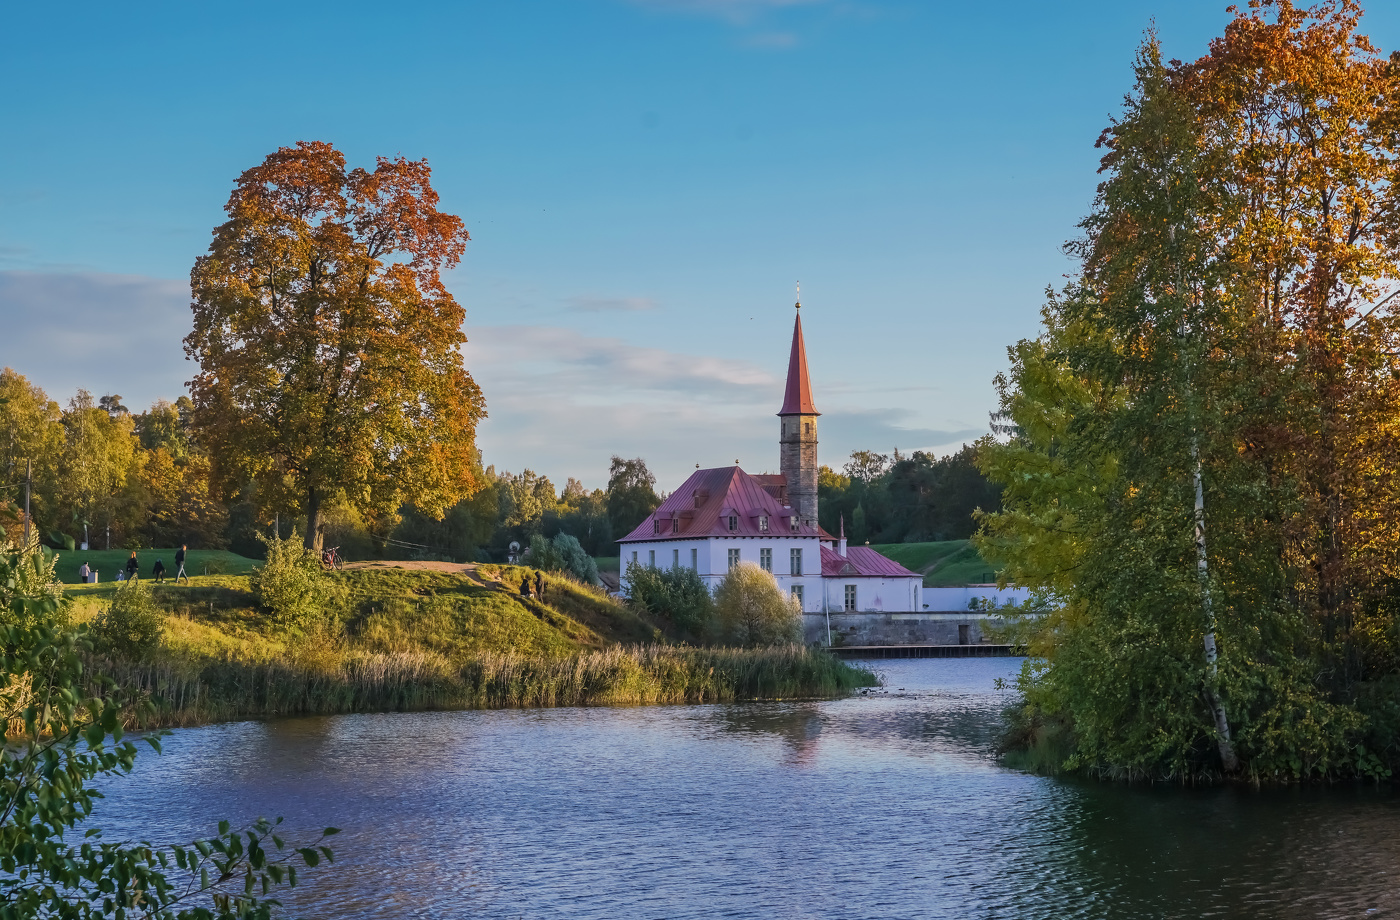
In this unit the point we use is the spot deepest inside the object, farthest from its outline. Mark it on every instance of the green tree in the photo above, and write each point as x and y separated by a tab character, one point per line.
564	554
753	611
31	437
677	595
99	460
328	347
631	494
132	626
292	585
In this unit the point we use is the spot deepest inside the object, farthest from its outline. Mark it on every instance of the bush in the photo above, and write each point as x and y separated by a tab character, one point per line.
754	611
563	554
132	627
292	586
677	594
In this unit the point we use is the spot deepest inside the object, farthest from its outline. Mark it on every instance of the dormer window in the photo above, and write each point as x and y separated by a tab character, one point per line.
794	523
763	523
733	523
656	525
675	525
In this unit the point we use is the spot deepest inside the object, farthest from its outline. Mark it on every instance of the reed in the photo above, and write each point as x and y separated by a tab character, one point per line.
358	681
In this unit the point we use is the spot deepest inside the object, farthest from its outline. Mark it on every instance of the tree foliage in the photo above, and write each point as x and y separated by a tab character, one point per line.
131	627
328	346
1230	328
678	595
631	494
563	554
753	610
292	585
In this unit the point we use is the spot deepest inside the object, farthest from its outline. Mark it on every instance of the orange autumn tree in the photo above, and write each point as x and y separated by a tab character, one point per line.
1308	112
328	347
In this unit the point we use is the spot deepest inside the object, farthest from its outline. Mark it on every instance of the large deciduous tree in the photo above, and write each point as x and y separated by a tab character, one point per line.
328	346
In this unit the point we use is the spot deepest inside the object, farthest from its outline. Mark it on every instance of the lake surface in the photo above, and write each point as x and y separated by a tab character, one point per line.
885	806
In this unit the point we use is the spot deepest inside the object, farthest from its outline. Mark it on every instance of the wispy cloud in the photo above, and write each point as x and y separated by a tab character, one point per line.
586	304
104	333
736	11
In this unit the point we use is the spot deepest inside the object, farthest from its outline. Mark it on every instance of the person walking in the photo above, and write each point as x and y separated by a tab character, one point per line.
85	572
539	585
132	566
158	570
180	565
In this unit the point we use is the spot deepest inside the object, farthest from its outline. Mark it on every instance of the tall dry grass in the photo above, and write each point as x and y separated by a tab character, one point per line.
358	681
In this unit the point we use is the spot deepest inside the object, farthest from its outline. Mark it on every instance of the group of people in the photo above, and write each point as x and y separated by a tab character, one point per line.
133	569
539	585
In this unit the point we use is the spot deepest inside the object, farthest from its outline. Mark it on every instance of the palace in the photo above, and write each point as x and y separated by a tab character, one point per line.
720	517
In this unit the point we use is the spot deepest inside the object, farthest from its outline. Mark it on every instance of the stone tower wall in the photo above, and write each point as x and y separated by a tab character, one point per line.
798	461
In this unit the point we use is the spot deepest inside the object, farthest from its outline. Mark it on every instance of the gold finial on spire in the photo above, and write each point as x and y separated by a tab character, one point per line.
799	295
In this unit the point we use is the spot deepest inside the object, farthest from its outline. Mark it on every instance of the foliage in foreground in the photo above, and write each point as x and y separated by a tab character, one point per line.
1202	443
753	610
59	738
677	595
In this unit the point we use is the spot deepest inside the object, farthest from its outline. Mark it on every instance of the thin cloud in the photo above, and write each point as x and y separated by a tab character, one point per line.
611	304
739	12
105	333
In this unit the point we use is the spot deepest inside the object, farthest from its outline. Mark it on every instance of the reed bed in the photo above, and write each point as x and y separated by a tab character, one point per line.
358	681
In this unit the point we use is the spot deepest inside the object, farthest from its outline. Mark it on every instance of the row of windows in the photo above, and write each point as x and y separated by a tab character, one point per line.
765	559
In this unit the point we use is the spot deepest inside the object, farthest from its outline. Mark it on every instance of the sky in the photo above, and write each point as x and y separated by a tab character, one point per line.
644	182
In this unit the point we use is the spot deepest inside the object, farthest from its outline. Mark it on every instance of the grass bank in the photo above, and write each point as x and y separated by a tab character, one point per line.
942	563
108	562
409	639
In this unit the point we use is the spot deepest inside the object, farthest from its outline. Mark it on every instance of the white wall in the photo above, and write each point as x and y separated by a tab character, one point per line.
876	595
960	598
713	561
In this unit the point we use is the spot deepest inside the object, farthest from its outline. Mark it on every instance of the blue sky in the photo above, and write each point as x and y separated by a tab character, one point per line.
644	180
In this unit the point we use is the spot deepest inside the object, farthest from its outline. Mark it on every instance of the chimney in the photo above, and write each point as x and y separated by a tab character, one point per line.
841	540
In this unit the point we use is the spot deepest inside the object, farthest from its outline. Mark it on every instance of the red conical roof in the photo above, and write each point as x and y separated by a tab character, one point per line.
798	398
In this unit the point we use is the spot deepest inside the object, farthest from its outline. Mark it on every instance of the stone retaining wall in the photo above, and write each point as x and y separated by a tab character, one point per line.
896	628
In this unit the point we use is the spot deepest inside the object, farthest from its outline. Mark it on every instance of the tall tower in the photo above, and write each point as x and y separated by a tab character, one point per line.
797	438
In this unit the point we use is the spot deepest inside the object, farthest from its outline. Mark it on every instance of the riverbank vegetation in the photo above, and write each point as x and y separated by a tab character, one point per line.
384	638
1199	452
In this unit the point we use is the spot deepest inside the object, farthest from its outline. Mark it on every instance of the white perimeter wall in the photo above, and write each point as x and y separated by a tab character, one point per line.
960	598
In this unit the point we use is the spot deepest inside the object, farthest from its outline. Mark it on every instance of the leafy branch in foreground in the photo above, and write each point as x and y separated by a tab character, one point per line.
60	736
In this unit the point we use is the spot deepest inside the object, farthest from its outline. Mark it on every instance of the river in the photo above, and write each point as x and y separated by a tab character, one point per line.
888	805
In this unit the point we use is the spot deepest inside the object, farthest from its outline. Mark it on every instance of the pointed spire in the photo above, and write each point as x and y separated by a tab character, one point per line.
797	400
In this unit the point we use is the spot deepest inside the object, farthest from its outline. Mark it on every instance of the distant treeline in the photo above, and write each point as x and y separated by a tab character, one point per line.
122	479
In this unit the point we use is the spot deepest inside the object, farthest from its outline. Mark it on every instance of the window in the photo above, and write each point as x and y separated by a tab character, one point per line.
763	523
795	562
655	525
733	523
651	558
797	594
675	525
675	558
793	523
850	597
634	557
695	560
765	559
733	558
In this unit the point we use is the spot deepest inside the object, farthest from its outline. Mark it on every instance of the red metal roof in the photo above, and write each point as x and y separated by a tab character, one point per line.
861	561
705	501
797	400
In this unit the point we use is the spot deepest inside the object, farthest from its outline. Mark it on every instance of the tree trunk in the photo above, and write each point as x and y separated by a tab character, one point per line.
314	519
1228	759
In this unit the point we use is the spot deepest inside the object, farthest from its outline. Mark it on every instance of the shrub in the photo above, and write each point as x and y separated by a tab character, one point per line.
132	627
563	554
292	586
754	611
677	594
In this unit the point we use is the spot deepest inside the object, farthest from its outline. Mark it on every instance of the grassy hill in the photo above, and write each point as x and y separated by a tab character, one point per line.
433	638
942	563
108	562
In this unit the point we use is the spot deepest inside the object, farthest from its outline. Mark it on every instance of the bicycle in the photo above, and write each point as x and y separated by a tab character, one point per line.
331	559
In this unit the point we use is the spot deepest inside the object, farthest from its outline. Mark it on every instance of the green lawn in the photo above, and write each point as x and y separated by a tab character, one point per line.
943	563
108	562
608	563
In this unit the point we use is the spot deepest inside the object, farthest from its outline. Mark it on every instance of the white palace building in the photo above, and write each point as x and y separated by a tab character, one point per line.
718	518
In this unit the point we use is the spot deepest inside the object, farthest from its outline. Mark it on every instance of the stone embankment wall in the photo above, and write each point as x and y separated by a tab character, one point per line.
965	628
